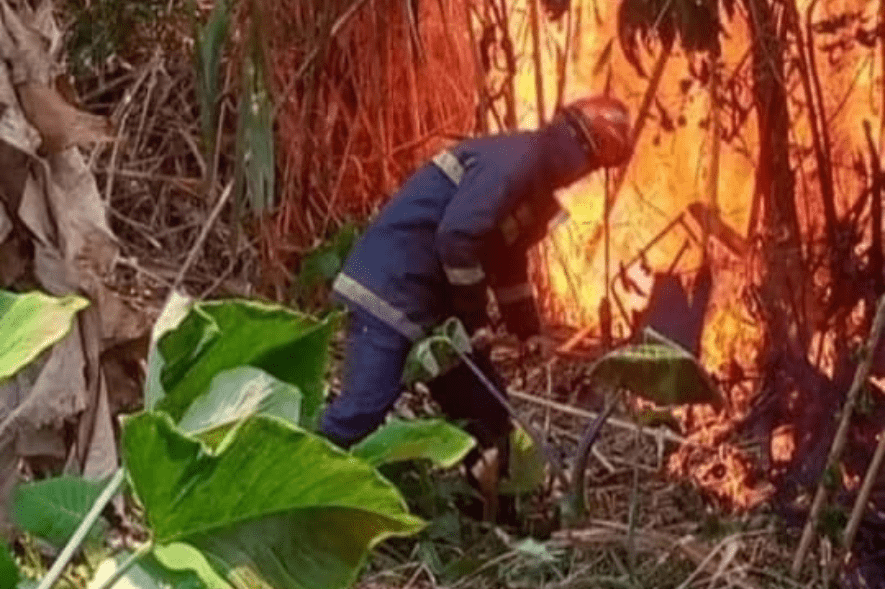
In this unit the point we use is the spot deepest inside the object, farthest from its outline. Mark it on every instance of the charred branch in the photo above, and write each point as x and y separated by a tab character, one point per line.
876	260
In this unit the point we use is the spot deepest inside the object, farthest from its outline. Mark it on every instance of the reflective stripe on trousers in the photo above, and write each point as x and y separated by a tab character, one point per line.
378	307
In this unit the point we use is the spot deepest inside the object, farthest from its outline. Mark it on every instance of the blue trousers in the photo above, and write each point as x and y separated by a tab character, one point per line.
373	367
374	361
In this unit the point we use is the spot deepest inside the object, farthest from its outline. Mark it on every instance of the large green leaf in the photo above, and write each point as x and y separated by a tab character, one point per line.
146	573
30	323
181	557
237	393
217	336
273	499
658	370
176	309
53	508
9	574
432	439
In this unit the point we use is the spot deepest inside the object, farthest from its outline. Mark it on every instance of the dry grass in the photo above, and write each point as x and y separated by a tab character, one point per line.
685	532
358	111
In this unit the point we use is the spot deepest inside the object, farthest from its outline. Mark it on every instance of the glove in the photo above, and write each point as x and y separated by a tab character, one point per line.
521	318
605	126
469	305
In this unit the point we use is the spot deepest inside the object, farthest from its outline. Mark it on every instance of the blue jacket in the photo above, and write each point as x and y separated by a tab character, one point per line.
466	218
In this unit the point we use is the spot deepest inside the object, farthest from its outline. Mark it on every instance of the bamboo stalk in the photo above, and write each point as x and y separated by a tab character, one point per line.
860	505
536	57
860	378
564	59
827	188
816	117
638	127
713	178
876	259
478	73
510	80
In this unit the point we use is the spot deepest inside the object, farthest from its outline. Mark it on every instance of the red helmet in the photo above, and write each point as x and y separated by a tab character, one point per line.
604	125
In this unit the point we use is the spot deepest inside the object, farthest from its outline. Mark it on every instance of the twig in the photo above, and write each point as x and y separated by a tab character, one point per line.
659	432
336	27
634	505
126	565
80	534
133	263
536	57
221	278
638	128
573	341
198	244
142	229
707	559
876	259
125	106
860	504
183	182
860	378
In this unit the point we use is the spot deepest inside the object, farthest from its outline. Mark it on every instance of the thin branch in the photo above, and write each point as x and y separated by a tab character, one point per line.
536	57
658	433
860	505
860	378
198	244
82	530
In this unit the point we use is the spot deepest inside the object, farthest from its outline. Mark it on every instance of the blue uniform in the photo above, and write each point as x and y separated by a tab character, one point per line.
460	224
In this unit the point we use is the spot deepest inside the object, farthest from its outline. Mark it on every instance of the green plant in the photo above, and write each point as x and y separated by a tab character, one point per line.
30	323
255	161
9	575
320	266
209	40
102	28
235	487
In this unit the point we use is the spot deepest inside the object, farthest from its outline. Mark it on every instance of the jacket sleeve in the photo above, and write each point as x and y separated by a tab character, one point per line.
513	293
463	233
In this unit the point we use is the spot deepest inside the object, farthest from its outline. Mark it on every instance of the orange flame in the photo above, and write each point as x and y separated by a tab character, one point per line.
671	170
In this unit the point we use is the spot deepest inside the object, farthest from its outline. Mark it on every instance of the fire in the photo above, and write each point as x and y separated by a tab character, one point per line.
671	170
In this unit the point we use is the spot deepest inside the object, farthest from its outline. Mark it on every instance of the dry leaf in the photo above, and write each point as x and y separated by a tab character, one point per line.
487	473
43	21
60	124
24	48
5	221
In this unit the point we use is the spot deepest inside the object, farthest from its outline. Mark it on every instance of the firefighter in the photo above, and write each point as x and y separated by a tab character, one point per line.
459	226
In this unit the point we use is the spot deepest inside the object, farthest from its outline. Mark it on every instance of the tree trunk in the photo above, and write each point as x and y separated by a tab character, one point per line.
785	276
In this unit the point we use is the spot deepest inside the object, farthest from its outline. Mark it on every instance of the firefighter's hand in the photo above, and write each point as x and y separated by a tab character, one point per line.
482	339
521	318
609	126
541	345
